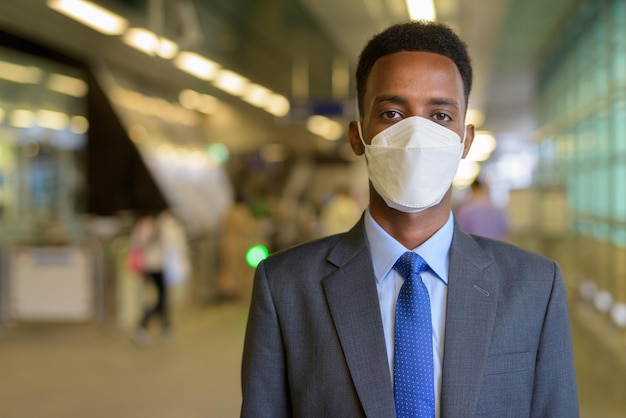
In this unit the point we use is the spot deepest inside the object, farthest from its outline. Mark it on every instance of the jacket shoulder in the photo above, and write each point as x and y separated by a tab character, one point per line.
501	248
302	256
517	261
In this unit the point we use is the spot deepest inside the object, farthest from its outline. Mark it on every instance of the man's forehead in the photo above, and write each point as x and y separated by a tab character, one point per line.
437	74
414	61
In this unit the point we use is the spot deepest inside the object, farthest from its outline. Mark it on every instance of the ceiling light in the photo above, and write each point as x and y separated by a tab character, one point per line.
22	118
231	82
166	49
466	173
64	84
277	105
324	127
197	65
51	119
483	145
257	95
149	43
79	124
20	73
475	117
189	99
92	15
141	39
192	100
421	9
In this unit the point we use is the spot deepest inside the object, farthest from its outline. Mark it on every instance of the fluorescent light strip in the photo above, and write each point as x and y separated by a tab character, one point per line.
91	15
197	65
231	82
166	48
278	105
51	119
257	95
109	23
324	127
141	39
192	100
149	43
22	118
421	9
64	84
20	73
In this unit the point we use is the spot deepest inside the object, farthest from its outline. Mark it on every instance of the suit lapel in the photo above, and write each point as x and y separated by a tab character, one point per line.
470	314
353	301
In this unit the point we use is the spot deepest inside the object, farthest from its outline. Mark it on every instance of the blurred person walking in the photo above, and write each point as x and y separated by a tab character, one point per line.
480	216
238	234
159	254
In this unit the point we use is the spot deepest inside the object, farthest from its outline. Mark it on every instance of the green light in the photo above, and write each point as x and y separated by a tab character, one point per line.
256	254
218	152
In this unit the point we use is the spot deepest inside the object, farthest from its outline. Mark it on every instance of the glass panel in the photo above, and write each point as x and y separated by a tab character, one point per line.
619	194
42	135
586	92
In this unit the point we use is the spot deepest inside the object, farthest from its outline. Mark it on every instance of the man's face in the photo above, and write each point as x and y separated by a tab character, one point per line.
412	83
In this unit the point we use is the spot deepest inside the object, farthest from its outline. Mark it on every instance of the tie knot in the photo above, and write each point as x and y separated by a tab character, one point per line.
410	265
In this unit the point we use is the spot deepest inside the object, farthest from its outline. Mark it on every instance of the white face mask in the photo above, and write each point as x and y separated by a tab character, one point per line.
412	163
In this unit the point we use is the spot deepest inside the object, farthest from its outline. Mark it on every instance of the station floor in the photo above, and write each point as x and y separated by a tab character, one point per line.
60	371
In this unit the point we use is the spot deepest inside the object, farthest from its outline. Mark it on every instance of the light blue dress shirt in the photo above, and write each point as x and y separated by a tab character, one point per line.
385	251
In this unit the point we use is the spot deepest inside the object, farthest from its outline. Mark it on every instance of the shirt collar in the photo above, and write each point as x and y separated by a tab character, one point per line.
386	250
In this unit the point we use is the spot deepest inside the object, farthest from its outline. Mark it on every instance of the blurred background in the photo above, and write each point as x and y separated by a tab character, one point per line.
232	116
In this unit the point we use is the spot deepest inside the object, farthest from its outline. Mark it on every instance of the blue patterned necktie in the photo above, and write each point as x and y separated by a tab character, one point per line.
414	390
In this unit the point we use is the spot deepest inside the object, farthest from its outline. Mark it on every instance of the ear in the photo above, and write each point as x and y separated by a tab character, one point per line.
469	138
355	139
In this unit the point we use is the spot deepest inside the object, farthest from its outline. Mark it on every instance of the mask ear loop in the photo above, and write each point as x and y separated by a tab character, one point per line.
358	127
360	130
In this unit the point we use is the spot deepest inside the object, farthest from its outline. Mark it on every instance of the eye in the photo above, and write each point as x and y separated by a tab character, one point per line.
391	115
441	117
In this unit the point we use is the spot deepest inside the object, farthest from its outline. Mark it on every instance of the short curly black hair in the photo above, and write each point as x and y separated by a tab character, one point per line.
415	35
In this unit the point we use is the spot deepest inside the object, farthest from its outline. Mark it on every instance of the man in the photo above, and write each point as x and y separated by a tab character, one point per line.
322	335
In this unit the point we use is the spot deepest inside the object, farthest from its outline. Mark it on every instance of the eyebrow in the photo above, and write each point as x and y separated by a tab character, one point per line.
439	101
443	101
391	98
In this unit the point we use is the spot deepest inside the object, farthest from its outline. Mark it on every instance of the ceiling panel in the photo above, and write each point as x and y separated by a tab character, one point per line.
266	39
529	32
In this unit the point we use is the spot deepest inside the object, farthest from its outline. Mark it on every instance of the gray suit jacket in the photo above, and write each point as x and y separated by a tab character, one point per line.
315	347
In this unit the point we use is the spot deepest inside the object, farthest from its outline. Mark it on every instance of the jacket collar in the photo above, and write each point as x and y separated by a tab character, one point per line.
470	315
353	301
